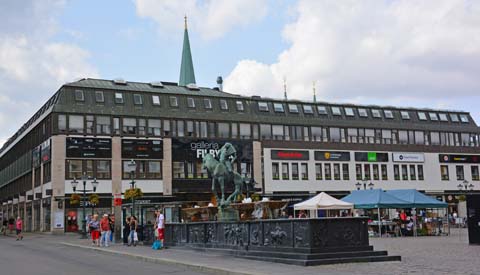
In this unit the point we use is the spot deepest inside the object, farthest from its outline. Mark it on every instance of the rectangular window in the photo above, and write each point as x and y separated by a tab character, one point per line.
464	118
99	98
307	109
207	103
475	173
366	172
294	171
278	108
137	99
263	106
245	131
223	130
89	119
334	134
265	131
74	168
62	123
103	125
234	130
358	172
384	172
336	171
318	171
376	173
178	170
223	104
275	171
173	101
285	172
203	129
277	132
349	112
200	173
75	124
304	171
154	127
88	169
444	172
166	127
396	172
180	128
211	129
103	169
154	169
239	105
328	171
422	116
116	125
155	100
460	172
376	113
190	130
433	116
345	172
293	108
454	118
190	102
420	172
362	112
79	95
388	113
413	176
322	110
129	126
443	117
404	172
118	98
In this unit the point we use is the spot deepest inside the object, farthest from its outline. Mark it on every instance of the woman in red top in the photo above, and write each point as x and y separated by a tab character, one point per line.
18	227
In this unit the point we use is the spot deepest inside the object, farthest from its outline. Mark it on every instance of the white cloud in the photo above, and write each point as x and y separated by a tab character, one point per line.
384	52
211	18
32	67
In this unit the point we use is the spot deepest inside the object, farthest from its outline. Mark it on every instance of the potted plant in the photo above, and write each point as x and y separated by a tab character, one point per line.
74	199
94	199
133	193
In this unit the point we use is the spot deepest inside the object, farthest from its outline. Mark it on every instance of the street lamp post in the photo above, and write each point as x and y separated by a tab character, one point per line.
132	165
84	195
465	186
364	183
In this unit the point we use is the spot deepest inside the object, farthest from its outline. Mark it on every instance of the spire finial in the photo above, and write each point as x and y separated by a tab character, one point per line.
185	21
285	87
314	93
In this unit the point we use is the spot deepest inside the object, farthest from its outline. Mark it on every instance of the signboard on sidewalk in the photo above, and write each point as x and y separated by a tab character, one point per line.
58	221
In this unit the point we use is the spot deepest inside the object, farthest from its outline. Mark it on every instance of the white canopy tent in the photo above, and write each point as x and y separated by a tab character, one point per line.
322	201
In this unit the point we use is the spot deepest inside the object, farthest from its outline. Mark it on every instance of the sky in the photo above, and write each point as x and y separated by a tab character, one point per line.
395	53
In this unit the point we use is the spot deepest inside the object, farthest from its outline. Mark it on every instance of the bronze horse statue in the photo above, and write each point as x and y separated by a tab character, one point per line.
220	175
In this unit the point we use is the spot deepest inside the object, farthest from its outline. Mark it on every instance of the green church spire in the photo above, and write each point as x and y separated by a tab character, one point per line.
187	74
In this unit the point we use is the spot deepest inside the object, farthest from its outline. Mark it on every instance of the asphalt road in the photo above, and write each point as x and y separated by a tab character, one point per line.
41	256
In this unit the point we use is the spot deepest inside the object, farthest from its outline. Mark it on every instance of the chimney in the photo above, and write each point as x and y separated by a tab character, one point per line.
220	83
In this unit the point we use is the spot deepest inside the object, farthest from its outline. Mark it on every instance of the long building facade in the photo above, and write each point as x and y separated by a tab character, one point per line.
291	149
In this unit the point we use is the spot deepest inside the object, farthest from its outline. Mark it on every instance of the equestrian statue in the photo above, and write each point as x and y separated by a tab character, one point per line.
222	173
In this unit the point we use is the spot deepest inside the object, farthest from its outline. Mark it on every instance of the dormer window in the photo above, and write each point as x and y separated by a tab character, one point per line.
336	111
376	113
349	112
223	104
207	103
433	116
322	110
443	117
119	98
362	112
155	100
405	115
307	109
173	101
190	102
239	105
293	108
388	114
79	95
454	117
278	108
99	98
464	118
137	99
422	116
263	106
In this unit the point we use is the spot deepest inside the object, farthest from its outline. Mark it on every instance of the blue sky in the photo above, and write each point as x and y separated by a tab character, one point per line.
401	53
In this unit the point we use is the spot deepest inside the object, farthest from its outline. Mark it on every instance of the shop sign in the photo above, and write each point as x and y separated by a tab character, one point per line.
89	147
45	151
459	158
117	200
36	157
332	156
143	201
289	155
408	157
195	150
142	149
371	156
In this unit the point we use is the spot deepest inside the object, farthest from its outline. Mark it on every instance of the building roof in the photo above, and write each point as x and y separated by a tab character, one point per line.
187	74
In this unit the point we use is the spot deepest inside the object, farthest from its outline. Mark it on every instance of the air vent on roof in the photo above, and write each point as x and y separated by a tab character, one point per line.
120	81
256	97
192	86
156	84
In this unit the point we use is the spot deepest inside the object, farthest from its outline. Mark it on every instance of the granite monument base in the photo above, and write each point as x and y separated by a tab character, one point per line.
290	241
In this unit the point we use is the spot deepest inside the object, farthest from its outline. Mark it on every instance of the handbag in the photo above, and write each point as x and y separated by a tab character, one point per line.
156	245
135	237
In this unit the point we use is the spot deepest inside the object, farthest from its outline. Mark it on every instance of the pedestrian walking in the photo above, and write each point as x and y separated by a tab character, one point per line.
4	227
94	226
133	237
161	227
104	230
18	227
111	222
126	231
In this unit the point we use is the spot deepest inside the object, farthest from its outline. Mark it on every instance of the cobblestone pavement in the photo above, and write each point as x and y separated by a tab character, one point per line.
420	255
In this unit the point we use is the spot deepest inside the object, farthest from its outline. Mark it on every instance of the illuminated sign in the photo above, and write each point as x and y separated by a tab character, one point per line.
459	158
289	155
408	157
89	147
332	156
371	157
142	149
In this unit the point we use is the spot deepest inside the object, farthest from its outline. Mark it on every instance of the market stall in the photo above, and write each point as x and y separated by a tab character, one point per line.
322	201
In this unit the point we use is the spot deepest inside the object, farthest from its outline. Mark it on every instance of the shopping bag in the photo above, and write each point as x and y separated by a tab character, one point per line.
135	237
156	245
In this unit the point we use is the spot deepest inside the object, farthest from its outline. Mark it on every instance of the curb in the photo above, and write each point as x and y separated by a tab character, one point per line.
195	267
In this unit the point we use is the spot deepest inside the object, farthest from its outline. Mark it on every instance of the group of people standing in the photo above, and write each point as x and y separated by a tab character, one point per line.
130	235
102	230
10	224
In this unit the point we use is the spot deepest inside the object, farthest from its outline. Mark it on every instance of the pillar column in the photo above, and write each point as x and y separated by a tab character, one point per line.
257	164
167	166
42	214
33	200
58	182
117	183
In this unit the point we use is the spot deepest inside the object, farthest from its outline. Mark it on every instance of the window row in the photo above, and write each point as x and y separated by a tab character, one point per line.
296	173
416	172
94	169
143	169
295	108
173	101
365	172
194	170
460	173
106	125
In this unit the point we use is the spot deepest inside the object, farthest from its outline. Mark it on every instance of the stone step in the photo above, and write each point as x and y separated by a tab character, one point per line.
365	259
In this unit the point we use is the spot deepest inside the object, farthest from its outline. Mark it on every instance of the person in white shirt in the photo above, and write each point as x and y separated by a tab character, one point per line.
160	226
